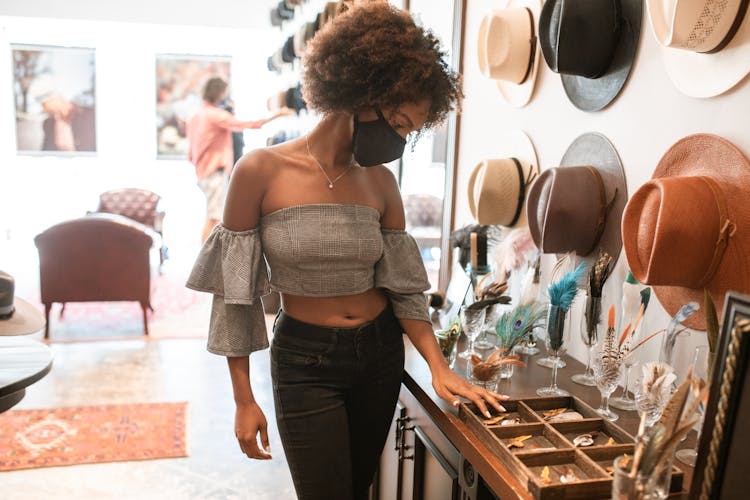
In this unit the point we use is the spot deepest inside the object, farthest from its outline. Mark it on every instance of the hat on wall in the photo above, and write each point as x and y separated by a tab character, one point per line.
705	43
578	205
688	228
592	44
498	188
507	49
17	317
299	41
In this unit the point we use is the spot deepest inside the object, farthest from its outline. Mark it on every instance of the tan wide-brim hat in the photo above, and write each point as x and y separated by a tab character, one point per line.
508	49
569	210
688	228
694	72
495	192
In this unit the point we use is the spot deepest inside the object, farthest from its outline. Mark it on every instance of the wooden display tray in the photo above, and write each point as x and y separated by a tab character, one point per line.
551	445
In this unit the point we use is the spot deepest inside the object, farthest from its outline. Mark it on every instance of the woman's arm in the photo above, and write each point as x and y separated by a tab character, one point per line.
241	212
447	383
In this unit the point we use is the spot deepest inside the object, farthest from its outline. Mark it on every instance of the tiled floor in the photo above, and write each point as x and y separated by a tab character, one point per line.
134	371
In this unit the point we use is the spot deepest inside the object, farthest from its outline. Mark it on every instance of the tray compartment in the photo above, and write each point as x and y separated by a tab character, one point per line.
540	405
590	480
514	411
543	438
604	456
601	431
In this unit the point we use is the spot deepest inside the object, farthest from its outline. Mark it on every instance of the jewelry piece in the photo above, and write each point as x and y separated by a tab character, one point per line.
511	421
568	476
330	182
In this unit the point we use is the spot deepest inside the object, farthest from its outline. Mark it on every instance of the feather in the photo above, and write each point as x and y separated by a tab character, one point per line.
563	292
611	317
625	333
653	390
516	324
516	248
645	297
529	289
563	266
667	346
631	299
598	274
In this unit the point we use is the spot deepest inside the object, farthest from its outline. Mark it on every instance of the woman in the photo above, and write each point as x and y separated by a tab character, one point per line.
328	217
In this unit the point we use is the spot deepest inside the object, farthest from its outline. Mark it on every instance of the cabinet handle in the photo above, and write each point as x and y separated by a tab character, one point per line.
401	446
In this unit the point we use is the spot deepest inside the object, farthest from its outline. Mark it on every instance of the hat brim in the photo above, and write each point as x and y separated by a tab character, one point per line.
593	94
712	156
595	150
708	75
520	95
26	319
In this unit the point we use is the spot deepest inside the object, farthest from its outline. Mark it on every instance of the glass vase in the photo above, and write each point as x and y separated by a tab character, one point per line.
590	325
555	342
640	487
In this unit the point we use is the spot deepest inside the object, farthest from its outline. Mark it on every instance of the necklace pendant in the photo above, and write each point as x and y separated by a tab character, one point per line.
330	185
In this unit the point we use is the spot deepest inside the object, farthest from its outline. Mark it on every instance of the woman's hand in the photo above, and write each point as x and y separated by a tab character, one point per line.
448	385
249	420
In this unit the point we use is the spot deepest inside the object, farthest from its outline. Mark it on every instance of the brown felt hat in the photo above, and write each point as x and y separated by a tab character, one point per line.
577	207
688	228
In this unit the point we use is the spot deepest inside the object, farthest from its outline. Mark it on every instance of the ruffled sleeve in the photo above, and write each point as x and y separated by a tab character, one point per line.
401	273
231	266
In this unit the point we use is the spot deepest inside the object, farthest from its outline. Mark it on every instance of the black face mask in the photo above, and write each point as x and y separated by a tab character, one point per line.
375	142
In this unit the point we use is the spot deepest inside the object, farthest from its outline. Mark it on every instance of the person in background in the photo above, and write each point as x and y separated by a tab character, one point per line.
210	150
324	214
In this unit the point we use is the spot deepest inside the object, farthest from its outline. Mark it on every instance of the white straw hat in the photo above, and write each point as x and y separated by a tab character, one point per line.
705	43
508	50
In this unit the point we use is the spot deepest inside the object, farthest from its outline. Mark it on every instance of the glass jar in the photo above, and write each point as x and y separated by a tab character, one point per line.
639	487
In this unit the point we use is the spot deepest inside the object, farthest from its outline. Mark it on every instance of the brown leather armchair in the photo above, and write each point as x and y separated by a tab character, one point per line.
100	257
140	205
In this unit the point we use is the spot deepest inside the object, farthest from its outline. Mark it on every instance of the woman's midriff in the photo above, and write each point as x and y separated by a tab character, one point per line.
342	311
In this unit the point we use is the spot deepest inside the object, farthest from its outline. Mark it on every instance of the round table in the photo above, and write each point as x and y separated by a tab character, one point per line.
23	361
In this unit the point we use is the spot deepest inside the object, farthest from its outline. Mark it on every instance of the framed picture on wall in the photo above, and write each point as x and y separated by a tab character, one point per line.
54	94
724	451
179	82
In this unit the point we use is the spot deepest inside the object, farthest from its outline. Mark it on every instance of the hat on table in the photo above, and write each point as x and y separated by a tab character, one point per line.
508	51
592	44
688	228
17	317
705	44
577	207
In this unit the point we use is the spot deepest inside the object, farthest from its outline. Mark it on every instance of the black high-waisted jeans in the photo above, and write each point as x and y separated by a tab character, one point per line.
335	391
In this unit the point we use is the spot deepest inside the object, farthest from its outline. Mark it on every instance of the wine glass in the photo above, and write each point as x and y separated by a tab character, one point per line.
688	456
607	372
590	322
555	341
551	360
491	315
472	321
625	400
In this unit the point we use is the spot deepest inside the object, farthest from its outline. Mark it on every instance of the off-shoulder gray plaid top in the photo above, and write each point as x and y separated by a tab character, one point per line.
316	250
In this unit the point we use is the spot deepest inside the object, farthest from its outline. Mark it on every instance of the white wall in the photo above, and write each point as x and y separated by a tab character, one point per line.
649	115
38	191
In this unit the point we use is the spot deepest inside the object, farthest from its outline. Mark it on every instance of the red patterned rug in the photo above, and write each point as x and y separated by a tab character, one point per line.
92	434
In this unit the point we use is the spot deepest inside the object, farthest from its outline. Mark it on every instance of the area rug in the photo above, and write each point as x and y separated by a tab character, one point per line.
92	434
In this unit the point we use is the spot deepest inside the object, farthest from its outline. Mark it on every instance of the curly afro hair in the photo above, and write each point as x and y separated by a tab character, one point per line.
374	55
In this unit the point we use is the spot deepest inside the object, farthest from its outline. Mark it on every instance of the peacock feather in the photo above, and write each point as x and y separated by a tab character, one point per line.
516	324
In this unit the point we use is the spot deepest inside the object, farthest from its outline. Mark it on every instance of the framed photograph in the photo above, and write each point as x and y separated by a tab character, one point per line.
179	83
54	93
724	450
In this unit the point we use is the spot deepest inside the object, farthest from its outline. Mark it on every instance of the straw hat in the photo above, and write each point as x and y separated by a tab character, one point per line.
688	228
705	44
578	206
592	44
17	317
507	49
498	187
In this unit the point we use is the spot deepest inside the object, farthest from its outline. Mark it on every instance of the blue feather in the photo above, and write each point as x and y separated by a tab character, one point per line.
563	292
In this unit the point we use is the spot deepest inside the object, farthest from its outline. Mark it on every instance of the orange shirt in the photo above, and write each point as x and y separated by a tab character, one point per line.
210	139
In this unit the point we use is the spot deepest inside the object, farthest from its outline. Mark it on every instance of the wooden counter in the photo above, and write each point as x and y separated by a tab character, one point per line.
525	381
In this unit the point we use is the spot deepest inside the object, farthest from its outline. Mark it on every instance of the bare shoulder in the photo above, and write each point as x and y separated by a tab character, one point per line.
384	180
247	186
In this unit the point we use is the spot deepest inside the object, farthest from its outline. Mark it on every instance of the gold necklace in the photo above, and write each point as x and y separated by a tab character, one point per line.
330	182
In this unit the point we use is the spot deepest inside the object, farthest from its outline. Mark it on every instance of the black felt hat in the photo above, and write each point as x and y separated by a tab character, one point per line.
287	51
592	44
17	317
